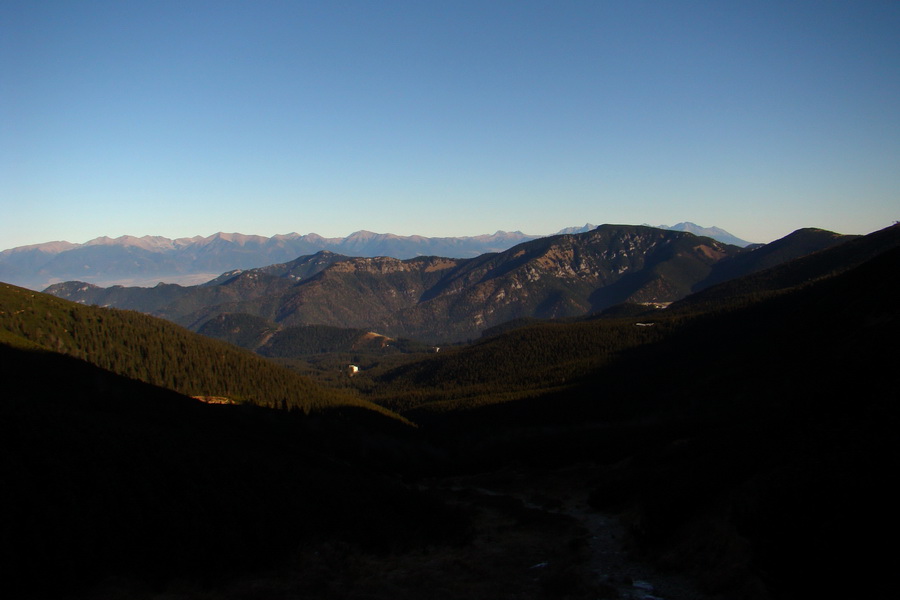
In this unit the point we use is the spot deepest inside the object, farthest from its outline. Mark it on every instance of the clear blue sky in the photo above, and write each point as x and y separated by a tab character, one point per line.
445	118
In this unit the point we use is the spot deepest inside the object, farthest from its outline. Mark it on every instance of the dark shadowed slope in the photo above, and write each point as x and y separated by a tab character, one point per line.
739	441
798	244
822	260
110	479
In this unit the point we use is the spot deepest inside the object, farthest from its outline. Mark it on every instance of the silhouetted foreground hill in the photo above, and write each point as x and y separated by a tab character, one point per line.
782	444
108	477
830	259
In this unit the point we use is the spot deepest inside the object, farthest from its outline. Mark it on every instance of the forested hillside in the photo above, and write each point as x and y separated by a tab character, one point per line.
157	352
511	365
269	339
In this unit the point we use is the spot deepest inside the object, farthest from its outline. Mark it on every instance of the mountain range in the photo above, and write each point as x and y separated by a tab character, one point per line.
441	299
145	261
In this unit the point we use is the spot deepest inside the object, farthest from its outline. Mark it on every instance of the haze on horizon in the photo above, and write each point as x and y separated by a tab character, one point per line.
462	118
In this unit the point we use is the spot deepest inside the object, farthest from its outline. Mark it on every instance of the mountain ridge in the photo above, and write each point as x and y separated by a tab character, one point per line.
147	260
440	299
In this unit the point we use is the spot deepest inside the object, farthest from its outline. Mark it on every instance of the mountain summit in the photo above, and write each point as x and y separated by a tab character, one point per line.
715	233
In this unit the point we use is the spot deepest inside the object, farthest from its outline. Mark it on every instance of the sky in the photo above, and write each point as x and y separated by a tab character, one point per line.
445	118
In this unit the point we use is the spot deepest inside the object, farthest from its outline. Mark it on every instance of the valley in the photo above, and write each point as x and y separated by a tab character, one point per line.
528	423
